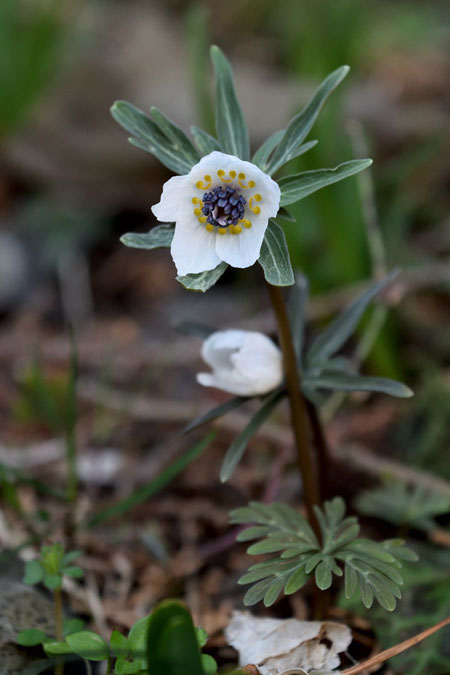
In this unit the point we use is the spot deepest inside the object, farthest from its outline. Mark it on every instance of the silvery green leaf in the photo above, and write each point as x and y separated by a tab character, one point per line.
303	184
204	280
237	448
340	381
230	124
273	591
274	257
323	574
180	142
301	149
257	592
216	412
205	142
340	329
284	214
301	124
264	151
158	237
147	136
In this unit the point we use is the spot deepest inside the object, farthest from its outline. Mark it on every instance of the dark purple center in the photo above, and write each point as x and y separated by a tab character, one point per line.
223	206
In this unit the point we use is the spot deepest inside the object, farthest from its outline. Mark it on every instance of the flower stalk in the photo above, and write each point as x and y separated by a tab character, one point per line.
299	413
58	610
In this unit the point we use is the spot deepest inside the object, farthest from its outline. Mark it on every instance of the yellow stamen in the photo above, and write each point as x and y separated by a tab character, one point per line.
237	229
223	230
209	227
202	219
196	200
198	212
201	185
255	209
246	223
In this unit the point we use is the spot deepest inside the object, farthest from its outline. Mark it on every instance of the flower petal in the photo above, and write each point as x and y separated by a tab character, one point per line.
176	198
244	363
241	250
213	162
218	347
193	247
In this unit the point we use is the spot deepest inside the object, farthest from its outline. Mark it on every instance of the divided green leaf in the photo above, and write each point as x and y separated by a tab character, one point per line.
371	567
401	504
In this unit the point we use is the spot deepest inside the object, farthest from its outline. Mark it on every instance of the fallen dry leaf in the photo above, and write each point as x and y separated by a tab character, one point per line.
278	646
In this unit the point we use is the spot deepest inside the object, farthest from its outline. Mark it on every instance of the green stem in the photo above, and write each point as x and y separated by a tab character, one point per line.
58	610
108	666
299	414
321	446
71	423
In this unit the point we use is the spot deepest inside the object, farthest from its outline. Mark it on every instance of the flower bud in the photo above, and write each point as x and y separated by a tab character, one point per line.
244	363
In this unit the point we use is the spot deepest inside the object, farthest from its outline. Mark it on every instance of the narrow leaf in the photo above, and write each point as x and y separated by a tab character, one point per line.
274	257
284	214
147	136
216	412
339	330
264	151
237	448
296	187
301	124
340	381
203	281
158	237
154	486
180	142
205	142
230	124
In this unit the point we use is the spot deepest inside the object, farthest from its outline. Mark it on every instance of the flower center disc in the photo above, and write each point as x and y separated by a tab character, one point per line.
223	206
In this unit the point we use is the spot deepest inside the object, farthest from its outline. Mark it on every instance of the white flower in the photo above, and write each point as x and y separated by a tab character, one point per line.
243	362
221	210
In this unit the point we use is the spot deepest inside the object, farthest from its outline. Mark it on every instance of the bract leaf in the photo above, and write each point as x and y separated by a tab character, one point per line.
230	124
158	237
274	257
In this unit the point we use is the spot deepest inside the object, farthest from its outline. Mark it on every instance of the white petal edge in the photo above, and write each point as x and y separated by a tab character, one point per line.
176	197
193	247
